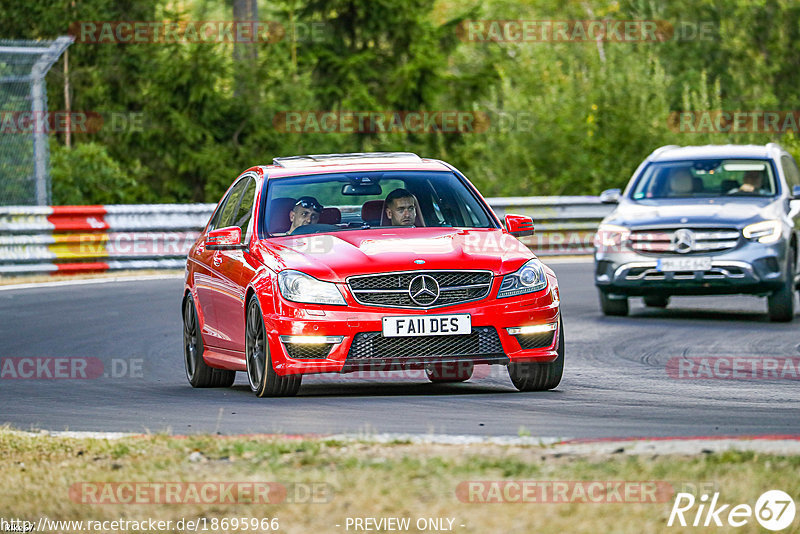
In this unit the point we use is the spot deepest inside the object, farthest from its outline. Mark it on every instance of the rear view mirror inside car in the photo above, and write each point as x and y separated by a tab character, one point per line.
734	167
361	189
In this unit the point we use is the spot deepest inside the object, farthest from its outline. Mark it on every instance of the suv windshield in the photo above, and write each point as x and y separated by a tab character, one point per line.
342	201
706	178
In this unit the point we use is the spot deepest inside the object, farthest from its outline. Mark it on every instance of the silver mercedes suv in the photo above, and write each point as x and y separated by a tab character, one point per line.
703	220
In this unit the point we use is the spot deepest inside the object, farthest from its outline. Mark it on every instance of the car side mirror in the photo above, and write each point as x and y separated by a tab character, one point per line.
519	225
224	238
796	192
610	196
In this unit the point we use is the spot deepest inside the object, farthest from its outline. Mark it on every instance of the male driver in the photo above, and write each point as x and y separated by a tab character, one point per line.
306	211
680	182
401	208
752	182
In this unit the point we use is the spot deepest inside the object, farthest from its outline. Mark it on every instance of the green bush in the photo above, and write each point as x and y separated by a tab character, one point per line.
86	174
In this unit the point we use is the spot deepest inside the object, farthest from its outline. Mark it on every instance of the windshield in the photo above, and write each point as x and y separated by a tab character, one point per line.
706	178
362	200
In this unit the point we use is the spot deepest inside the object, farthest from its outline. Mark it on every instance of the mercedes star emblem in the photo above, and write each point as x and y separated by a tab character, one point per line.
683	241
423	290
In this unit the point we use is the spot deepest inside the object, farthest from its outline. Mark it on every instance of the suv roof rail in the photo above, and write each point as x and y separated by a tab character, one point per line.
664	148
775	146
352	157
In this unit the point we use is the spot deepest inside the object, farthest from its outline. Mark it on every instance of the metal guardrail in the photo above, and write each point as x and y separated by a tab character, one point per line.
71	239
564	225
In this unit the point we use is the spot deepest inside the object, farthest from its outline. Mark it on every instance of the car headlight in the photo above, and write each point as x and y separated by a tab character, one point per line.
610	237
527	279
764	231
300	287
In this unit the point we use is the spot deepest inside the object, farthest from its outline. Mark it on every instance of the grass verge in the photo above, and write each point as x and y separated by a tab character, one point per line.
326	482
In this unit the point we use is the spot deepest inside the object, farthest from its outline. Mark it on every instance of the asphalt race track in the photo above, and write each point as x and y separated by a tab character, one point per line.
615	382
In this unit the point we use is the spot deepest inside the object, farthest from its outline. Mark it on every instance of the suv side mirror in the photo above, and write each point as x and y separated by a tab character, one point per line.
796	192
519	225
224	238
610	196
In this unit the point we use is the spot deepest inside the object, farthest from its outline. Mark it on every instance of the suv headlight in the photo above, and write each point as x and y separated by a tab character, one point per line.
764	231
527	279
610	237
300	287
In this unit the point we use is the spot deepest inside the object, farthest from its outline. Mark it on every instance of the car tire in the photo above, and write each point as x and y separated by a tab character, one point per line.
442	373
198	372
261	375
780	304
532	376
615	306
656	301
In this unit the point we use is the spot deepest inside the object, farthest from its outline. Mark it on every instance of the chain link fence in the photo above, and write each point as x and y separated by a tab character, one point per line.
24	123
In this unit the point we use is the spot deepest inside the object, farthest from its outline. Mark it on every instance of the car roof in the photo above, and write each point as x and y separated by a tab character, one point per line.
675	153
356	162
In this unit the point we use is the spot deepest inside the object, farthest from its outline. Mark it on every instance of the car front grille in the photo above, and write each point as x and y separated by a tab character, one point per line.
482	341
661	241
394	290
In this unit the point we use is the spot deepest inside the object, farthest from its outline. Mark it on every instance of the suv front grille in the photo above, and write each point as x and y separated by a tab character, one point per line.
662	241
482	341
394	290
715	273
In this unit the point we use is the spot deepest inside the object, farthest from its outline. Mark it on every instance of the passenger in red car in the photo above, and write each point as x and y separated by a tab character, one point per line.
401	208
306	211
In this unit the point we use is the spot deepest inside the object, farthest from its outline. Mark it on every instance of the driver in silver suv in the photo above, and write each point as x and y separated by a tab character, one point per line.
703	220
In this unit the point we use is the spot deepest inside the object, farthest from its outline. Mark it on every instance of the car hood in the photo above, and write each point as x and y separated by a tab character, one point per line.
706	211
335	256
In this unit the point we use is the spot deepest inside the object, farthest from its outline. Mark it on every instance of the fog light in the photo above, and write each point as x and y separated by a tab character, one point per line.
312	340
532	329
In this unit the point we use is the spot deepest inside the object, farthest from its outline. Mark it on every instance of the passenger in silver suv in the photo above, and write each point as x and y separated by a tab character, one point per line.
703	220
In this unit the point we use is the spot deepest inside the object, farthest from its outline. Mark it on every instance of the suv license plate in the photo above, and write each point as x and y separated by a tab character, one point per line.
684	264
427	325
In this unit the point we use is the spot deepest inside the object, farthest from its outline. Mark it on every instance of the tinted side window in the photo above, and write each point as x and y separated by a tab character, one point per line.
790	171
229	209
245	210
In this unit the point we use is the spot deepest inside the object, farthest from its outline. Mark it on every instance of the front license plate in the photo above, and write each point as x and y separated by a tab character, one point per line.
427	325
684	264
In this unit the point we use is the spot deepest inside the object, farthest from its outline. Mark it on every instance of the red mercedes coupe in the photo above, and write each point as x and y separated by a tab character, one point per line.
353	262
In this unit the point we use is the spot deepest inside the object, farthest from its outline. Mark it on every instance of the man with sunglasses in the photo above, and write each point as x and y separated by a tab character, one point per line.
306	211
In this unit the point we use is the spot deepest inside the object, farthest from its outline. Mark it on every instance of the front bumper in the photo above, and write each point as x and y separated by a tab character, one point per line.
359	344
752	268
